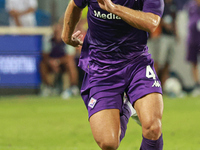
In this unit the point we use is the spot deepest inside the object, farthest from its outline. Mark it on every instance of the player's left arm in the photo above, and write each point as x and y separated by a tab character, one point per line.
72	16
146	21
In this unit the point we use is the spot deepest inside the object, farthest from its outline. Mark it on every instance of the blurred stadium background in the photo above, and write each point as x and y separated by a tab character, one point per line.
31	122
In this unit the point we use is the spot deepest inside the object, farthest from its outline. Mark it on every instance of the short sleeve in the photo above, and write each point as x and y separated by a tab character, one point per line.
81	3
154	6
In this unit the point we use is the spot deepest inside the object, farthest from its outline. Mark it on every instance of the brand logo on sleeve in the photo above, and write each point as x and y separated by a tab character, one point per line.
92	102
109	16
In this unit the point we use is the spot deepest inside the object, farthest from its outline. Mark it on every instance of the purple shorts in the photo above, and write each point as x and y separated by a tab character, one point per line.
135	79
192	52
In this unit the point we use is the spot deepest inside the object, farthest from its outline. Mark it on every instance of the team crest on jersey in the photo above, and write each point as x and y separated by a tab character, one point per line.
92	102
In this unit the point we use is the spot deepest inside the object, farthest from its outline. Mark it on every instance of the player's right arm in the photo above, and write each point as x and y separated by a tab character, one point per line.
71	18
143	20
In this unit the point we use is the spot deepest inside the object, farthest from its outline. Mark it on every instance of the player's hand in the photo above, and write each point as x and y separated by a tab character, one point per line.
107	5
77	39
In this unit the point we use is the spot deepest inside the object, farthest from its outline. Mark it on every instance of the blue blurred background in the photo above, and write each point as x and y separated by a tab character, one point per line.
20	55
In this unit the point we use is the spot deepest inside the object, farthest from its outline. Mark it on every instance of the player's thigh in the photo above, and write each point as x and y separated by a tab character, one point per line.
105	126
45	68
143	81
149	108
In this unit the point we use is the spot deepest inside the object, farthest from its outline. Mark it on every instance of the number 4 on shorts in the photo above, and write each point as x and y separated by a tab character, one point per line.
150	73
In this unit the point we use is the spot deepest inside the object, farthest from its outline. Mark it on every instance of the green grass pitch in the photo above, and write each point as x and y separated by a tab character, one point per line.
35	123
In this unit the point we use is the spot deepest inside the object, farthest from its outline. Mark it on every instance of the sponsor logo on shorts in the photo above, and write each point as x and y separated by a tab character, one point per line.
109	16
156	84
92	102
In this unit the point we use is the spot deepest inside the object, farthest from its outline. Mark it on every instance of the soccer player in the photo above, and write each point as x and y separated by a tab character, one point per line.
116	60
193	42
58	58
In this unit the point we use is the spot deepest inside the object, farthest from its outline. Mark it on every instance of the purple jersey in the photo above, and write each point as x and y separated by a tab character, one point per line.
110	42
194	24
